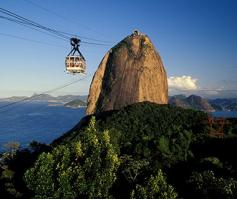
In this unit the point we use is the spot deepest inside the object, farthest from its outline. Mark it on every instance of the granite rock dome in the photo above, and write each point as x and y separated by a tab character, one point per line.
131	72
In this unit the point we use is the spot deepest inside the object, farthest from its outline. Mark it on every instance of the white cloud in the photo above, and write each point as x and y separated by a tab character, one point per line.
182	83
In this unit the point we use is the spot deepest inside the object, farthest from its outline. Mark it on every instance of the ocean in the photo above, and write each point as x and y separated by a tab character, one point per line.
39	121
225	114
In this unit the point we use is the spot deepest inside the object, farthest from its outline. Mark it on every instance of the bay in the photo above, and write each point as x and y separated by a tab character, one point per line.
225	114
36	121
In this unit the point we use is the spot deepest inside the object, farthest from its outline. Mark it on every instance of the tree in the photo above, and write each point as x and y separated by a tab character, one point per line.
207	185
176	147
156	187
83	169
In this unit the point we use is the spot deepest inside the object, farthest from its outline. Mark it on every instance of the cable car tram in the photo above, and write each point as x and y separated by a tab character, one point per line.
75	62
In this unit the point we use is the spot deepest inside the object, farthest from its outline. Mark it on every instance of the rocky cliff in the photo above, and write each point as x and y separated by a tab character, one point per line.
131	72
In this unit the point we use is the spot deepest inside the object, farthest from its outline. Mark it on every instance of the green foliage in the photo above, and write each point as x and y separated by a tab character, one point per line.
152	131
13	164
147	137
86	168
132	169
213	161
7	174
7	178
176	148
119	156
42	183
156	187
231	128
207	185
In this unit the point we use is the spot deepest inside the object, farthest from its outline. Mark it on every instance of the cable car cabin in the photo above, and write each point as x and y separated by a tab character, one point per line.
75	62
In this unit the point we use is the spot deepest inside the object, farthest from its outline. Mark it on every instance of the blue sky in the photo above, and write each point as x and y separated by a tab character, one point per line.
195	38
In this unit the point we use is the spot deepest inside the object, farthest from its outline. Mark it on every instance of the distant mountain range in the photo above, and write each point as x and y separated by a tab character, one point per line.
199	103
192	101
48	98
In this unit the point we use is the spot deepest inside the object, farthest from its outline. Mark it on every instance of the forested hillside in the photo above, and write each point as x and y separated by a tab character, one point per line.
145	150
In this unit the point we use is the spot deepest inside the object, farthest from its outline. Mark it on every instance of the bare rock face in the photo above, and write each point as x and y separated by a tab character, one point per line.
131	72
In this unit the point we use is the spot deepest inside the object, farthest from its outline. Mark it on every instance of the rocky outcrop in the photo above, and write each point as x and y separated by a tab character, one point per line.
131	72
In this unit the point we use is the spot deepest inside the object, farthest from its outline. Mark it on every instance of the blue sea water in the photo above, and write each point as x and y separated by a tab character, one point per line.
225	114
37	121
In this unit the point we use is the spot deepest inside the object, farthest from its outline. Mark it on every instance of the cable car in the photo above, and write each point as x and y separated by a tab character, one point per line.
75	62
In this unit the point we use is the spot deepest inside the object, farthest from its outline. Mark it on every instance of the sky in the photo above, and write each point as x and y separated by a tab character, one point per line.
197	40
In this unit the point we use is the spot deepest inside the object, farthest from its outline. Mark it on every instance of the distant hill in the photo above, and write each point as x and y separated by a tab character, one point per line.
69	98
42	97
229	104
179	100
48	98
199	103
75	104
13	98
193	101
232	107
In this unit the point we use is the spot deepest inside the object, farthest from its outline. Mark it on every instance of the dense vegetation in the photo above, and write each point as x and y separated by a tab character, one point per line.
142	151
13	164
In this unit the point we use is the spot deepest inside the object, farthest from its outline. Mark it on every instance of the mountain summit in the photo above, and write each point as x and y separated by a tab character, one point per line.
132	71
